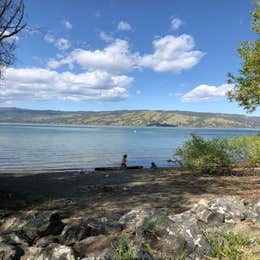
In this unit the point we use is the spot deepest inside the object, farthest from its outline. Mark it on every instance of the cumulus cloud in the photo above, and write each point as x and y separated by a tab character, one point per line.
173	54
123	26
115	58
60	43
67	24
106	37
37	84
206	93
176	23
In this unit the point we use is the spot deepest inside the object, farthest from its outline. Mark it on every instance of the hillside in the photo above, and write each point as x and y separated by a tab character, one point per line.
130	118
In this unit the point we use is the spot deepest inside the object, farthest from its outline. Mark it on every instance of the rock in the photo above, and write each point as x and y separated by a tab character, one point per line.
253	212
15	238
174	235
98	246
206	215
54	252
43	224
34	224
135	218
103	224
45	241
159	234
231	209
10	252
74	232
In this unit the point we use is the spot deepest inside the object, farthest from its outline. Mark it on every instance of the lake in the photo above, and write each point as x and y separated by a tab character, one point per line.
38	147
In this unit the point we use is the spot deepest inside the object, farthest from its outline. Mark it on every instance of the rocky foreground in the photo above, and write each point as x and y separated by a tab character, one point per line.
142	233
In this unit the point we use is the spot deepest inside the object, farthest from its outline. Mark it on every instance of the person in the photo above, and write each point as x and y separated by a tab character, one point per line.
124	161
153	165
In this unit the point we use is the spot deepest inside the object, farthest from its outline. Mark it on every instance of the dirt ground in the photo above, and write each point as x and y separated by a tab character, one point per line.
167	189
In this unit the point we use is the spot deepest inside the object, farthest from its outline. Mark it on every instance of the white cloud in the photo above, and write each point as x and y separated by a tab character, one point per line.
106	37
49	38
173	54
206	93
67	24
176	23
123	26
62	44
36	84
115	58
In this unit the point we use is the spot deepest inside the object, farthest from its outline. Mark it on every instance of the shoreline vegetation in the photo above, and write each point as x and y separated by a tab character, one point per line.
130	118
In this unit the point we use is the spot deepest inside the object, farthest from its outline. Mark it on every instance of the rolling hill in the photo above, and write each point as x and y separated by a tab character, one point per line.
130	118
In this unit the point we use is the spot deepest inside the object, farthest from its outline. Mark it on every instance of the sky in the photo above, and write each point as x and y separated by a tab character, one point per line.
132	54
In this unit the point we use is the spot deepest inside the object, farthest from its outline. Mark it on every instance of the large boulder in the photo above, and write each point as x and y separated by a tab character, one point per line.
34	224
253	212
225	209
175	235
135	218
74	232
15	238
99	247
10	252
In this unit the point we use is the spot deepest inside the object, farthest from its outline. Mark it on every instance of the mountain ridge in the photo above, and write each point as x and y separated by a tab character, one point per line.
130	118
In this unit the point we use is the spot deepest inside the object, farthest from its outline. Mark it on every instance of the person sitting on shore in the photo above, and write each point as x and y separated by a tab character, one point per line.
124	161
153	165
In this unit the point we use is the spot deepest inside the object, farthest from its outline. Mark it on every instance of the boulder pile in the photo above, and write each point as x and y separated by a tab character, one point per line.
44	235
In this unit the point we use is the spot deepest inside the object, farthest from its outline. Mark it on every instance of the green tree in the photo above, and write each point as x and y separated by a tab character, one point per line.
246	89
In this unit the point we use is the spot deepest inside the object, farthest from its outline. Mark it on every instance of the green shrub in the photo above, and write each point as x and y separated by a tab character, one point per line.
219	154
124	248
246	149
204	155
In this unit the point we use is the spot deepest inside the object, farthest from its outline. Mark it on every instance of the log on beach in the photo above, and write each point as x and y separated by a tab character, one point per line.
135	167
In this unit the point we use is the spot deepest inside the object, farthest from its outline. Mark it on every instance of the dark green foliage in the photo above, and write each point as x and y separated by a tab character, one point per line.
247	85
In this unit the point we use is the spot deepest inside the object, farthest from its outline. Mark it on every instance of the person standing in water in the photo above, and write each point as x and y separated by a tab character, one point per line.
124	161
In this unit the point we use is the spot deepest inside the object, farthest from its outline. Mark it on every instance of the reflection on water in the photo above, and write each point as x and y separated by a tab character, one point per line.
35	147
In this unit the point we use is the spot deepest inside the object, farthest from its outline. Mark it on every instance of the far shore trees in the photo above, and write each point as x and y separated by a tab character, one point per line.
11	23
246	89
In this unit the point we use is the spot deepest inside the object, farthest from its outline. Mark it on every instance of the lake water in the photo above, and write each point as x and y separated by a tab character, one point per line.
36	147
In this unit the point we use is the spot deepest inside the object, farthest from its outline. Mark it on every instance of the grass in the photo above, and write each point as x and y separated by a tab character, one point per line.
124	249
234	246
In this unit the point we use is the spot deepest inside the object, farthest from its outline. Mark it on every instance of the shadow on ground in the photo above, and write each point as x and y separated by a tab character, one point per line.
169	190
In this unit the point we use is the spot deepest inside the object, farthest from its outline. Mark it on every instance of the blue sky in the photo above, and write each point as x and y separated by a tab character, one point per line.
111	54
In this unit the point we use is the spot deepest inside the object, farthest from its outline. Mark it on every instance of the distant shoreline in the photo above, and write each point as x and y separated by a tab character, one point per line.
160	118
127	126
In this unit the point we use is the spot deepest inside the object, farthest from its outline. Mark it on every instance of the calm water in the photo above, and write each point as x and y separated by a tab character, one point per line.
37	147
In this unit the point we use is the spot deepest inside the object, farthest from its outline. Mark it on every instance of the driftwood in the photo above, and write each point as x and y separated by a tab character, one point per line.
118	168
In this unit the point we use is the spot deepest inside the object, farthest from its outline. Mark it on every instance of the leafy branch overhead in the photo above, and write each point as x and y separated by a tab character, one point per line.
11	23
246	89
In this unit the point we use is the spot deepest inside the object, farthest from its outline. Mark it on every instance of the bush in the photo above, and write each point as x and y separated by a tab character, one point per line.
218	154
205	155
246	149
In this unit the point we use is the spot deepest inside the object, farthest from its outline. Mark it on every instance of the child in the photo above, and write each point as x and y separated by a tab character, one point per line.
153	165
124	160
